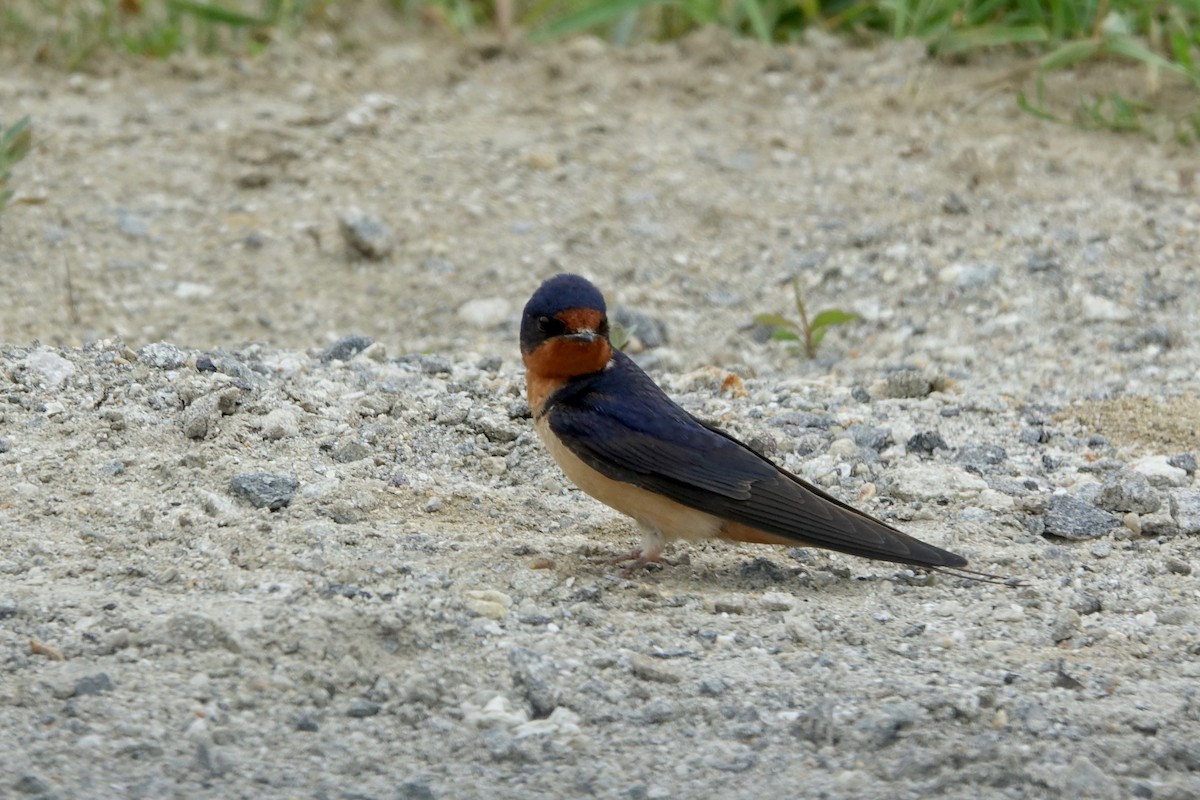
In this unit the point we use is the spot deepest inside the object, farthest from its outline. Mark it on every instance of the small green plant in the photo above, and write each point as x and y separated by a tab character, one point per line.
15	142
807	332
619	335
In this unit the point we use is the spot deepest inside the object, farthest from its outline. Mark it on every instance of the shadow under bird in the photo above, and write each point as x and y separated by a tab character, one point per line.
622	440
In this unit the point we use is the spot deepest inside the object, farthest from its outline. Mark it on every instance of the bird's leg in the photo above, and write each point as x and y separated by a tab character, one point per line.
639	557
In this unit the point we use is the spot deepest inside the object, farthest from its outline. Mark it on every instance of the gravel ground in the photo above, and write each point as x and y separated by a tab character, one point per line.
274	521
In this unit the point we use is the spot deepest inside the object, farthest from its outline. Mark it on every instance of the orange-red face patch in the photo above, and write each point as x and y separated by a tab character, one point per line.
561	359
581	319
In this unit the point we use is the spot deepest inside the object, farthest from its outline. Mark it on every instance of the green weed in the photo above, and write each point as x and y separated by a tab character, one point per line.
69	32
619	335
809	333
15	142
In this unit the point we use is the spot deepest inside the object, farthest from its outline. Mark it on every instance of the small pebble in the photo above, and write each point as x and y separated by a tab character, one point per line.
265	489
485	312
1185	509
346	348
366	234
162	355
1069	518
359	708
1128	491
651	669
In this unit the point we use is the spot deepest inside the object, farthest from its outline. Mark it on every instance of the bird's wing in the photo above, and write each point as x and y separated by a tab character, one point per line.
645	439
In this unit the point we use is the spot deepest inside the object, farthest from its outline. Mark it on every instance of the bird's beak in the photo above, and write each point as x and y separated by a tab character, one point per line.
583	337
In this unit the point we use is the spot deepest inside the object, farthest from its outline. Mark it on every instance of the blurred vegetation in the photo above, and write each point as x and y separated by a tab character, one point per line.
1162	35
15	141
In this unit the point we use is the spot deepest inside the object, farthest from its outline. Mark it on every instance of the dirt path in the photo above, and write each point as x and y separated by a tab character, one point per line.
431	615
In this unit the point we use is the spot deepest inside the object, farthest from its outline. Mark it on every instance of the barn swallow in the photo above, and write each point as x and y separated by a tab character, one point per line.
622	440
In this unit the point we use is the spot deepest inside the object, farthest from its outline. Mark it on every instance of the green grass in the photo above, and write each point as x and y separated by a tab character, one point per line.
70	32
1163	36
15	142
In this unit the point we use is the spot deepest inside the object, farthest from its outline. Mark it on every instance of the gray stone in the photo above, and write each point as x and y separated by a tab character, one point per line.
926	442
415	790
131	225
359	708
801	419
650	669
1069	518
95	683
352	450
189	632
905	383
497	429
882	727
484	312
1082	778
8	607
200	418
659	710
46	368
1160	471
1183	461
31	784
162	355
265	489
346	348
980	457
870	437
1125	491
954	204
536	676
1185	509
366	234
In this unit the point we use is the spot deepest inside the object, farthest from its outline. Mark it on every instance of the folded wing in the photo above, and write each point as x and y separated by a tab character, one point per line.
649	441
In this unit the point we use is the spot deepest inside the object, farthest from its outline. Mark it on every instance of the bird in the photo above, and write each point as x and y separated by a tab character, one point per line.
621	439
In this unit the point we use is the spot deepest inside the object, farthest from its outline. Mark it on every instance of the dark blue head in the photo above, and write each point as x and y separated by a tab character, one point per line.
545	316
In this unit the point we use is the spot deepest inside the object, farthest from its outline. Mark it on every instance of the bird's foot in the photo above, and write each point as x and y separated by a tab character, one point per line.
637	559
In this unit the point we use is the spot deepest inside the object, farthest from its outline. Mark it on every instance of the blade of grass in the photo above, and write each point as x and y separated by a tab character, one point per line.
1123	45
216	14
758	21
593	16
1068	54
991	36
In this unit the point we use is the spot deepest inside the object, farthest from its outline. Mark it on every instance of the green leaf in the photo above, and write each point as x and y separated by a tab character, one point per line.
619	335
782	335
16	141
1127	46
990	36
832	316
1038	111
775	321
818	335
758	22
211	13
1068	54
591	16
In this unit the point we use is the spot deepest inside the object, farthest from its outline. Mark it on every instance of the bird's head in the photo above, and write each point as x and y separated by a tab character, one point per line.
564	330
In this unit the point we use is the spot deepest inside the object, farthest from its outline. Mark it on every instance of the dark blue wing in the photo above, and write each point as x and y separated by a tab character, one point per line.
620	423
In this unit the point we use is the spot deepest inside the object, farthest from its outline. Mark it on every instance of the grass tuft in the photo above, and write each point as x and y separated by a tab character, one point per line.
1161	35
15	143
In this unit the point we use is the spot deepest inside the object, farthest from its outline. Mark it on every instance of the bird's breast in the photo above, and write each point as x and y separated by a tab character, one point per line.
670	519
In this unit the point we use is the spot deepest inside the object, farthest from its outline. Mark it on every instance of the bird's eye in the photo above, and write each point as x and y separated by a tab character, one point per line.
603	329
549	326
